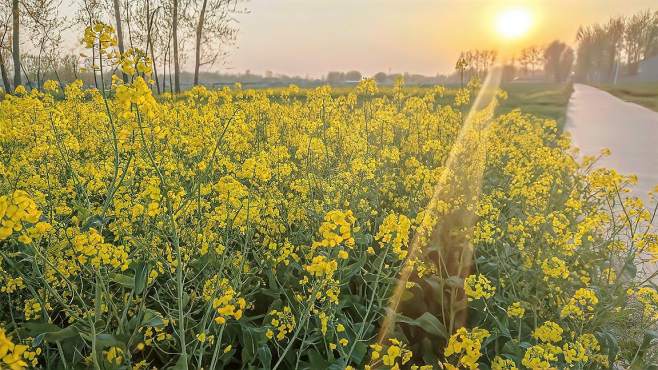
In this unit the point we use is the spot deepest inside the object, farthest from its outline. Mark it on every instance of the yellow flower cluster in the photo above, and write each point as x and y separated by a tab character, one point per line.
135	61
283	322
256	167
540	356
548	332
585	349
156	334
32	309
16	356
90	248
467	345
478	286
114	355
555	268
322	267
582	301
14	211
500	363
462	97
51	85
394	230
139	95
337	229
10	284
10	353
396	354
649	298
224	299
515	310
101	35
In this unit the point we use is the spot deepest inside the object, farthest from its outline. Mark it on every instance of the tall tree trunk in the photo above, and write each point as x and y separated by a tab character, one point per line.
164	72
117	19
166	67
199	33
171	75
16	50
5	77
149	43
174	26
130	33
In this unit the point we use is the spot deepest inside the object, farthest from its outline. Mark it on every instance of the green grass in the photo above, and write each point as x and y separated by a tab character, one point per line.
543	99
547	100
642	93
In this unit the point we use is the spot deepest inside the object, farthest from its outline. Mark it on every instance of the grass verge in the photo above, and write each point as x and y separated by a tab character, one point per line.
548	100
642	93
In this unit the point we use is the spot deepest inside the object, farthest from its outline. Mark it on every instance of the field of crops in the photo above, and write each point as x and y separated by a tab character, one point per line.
268	229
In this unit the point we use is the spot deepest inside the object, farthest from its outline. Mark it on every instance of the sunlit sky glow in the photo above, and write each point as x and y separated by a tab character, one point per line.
513	23
423	36
312	37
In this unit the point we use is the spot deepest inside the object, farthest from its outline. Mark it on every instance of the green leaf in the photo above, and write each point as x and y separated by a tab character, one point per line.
455	282
360	351
265	356
109	340
432	325
428	322
60	335
49	333
94	221
609	342
355	268
35	328
252	339
180	364
152	318
337	364
123	280
317	361
141	277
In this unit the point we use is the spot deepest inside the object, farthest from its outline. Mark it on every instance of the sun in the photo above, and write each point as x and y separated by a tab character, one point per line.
513	23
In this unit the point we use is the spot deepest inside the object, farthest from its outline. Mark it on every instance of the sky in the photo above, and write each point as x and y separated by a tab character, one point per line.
312	37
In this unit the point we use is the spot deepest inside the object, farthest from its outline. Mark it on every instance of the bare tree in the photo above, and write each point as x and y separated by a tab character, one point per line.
5	16
524	60
174	30
16	46
41	18
119	28
214	26
476	62
150	23
536	58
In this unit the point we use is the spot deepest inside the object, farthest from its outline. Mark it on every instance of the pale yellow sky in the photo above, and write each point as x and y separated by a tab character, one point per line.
422	36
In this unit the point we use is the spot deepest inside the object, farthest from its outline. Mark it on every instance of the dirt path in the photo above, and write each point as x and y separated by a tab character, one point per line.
597	120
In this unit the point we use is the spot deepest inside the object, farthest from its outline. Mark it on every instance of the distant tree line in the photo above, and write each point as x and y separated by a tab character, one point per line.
607	51
553	62
475	63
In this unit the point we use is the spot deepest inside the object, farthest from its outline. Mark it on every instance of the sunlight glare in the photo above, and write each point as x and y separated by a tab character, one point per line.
513	23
